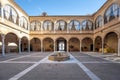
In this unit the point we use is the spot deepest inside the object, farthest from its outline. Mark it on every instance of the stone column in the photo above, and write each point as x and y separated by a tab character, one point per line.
54	27
80	46
29	46
54	46
41	45
67	46
3	44
102	45
118	46
19	45
67	27
41	27
93	45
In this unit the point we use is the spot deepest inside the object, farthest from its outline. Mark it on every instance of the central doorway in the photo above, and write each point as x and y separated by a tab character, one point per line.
61	44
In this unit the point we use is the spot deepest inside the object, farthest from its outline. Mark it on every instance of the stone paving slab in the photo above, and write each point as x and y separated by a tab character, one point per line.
8	70
91	59
9	56
56	72
14	55
41	53
32	59
105	71
79	54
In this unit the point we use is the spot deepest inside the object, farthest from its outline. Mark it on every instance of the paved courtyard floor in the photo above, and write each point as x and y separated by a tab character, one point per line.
81	66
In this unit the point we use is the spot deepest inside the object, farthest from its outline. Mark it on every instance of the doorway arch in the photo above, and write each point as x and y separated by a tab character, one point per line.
108	40
24	44
35	44
61	44
87	44
11	42
74	45
98	43
48	44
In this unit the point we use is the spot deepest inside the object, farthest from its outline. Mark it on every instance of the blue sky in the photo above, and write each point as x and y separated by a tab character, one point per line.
60	7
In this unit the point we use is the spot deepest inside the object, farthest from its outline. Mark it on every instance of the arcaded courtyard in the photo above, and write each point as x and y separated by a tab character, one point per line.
81	66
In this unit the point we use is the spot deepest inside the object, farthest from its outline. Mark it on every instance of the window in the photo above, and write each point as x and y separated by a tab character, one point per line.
7	12
48	26
35	26
98	22
74	25
87	25
61	25
112	12
0	9
23	22
10	14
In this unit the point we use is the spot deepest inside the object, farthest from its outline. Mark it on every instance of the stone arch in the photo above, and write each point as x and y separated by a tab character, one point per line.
48	44
61	25
111	12
61	44
87	44
74	44
35	25
98	21
0	9
108	42
74	25
23	22
98	43
48	25
11	14
35	44
0	43
11	42
87	25
24	44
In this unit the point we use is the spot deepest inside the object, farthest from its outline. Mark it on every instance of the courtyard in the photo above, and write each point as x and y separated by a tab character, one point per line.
81	66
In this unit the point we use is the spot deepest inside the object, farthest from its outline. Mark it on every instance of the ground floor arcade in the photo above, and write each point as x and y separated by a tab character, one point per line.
12	43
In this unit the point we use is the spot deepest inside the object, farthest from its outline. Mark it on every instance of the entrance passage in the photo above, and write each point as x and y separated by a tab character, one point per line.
61	44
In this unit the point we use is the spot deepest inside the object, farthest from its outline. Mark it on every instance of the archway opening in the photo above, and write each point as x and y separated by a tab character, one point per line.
35	45
61	44
24	44
111	43
48	45
74	45
87	44
98	43
11	43
0	44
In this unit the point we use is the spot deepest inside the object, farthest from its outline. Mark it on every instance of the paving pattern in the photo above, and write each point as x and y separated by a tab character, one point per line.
81	66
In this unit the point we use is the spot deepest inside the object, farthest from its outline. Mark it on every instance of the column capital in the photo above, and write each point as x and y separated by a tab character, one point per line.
3	36
19	38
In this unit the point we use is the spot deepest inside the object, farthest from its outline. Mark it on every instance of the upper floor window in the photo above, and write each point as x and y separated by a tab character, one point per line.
48	25
61	25
87	25
74	25
23	22
112	12
0	9
10	14
35	26
98	22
